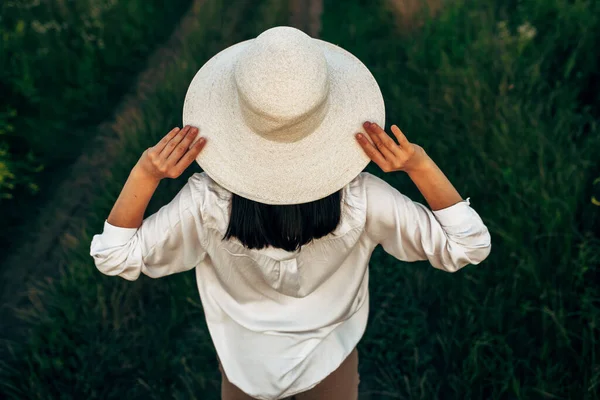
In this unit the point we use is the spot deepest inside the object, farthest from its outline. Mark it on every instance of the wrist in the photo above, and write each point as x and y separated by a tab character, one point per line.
421	163
140	174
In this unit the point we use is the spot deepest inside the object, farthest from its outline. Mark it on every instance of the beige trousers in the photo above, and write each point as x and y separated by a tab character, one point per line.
341	384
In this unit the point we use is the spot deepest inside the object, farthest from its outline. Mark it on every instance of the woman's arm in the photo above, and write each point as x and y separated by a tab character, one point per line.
434	185
450	237
129	209
169	241
412	159
168	159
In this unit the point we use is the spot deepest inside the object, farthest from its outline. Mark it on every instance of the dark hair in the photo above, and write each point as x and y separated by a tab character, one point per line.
288	227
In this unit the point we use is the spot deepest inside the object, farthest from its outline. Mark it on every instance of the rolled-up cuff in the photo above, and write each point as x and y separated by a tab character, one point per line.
456	214
116	235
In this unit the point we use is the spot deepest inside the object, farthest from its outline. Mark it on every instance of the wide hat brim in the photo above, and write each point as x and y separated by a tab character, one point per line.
272	172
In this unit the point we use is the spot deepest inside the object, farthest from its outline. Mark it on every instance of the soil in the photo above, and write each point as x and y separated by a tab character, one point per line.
411	14
306	15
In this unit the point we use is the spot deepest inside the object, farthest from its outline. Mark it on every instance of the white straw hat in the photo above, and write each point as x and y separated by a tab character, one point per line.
280	113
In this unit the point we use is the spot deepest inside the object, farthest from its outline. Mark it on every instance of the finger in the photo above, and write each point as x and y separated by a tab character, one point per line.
170	146
386	139
163	142
400	136
182	147
380	139
371	151
190	155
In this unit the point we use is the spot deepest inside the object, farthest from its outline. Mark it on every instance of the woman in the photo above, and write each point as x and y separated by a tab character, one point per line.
281	224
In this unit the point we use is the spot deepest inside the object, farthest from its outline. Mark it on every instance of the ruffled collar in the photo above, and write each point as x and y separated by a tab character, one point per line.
353	217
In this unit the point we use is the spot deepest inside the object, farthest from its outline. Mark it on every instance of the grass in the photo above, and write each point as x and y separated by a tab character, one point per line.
63	67
509	115
511	119
86	327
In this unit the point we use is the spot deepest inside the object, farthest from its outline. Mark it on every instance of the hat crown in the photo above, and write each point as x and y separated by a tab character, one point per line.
282	84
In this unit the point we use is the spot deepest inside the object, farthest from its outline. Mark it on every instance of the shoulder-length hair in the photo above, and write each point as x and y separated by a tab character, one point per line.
288	227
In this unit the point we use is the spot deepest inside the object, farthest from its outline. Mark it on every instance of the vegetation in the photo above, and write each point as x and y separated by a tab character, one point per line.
147	338
501	94
63	66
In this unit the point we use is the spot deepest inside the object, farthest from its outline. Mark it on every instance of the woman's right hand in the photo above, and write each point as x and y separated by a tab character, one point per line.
404	156
172	155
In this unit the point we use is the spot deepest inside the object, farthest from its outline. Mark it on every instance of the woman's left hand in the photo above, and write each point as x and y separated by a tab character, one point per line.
405	156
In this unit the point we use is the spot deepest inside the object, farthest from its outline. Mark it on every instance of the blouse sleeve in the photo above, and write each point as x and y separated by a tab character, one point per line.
168	241
449	238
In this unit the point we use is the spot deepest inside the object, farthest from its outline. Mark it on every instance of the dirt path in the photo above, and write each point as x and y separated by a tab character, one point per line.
40	257
411	14
306	15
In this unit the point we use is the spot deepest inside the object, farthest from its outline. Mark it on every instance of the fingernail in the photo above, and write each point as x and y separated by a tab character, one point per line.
359	136
202	140
366	124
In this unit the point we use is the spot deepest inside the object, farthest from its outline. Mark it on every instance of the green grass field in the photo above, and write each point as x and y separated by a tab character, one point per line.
507	114
64	65
502	96
78	343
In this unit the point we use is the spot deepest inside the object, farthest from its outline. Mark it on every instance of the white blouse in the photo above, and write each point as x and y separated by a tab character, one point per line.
282	321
